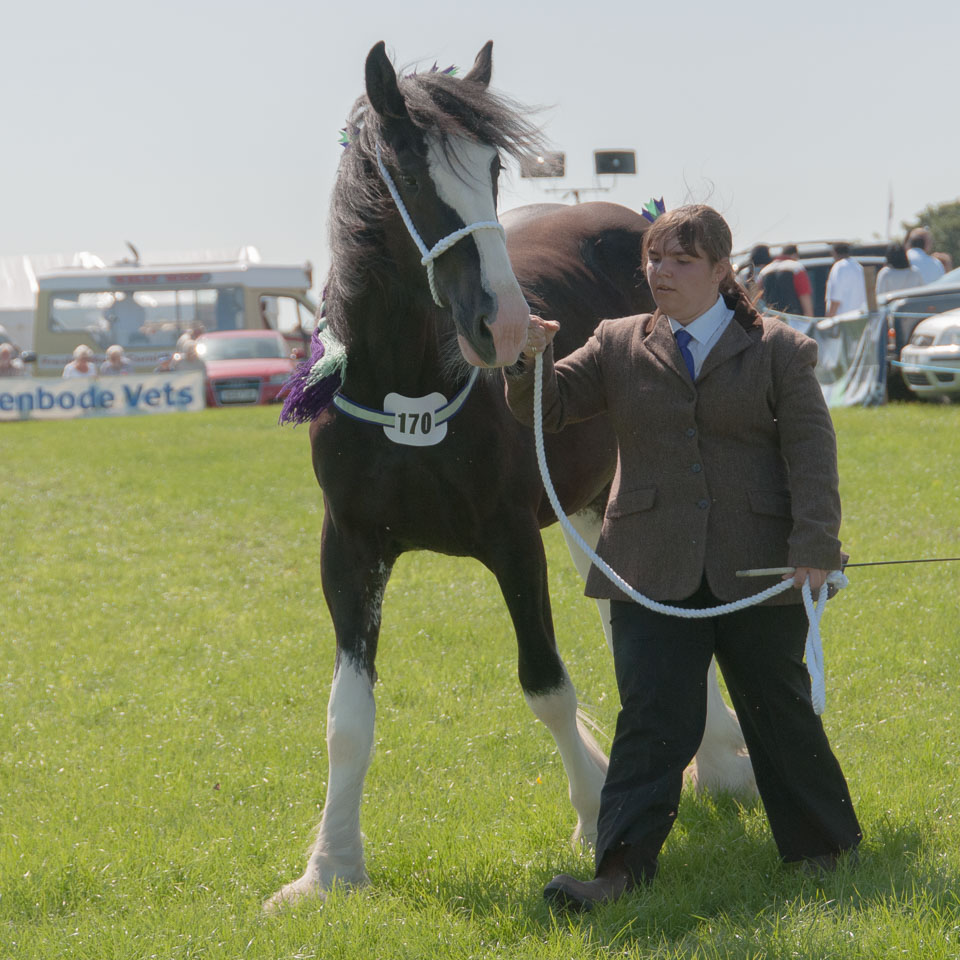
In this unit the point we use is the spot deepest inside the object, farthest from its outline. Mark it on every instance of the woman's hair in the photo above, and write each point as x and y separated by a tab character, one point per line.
897	256
700	231
83	351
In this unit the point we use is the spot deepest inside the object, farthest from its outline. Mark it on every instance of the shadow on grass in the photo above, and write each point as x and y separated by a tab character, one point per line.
720	879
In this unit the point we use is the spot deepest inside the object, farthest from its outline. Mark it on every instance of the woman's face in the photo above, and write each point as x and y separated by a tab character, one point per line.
684	285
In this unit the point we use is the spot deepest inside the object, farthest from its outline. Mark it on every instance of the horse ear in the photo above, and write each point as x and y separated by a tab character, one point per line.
382	89
482	66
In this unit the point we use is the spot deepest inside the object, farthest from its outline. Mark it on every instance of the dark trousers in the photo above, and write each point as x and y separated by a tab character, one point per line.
661	664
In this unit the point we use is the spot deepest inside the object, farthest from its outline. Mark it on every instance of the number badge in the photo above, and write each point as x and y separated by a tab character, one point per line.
415	424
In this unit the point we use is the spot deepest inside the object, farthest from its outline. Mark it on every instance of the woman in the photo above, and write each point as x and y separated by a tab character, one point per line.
727	460
897	274
82	364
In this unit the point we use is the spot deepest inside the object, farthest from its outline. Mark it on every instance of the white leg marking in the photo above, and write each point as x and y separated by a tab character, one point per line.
722	762
337	855
583	760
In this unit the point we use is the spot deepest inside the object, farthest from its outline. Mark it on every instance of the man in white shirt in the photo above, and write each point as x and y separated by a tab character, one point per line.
846	285
919	245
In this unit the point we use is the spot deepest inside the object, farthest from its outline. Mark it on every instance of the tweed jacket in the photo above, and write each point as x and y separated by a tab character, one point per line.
734	471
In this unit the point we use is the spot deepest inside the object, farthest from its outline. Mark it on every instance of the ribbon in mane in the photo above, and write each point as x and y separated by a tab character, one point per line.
313	385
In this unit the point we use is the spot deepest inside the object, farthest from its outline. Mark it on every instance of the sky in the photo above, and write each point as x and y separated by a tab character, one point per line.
207	124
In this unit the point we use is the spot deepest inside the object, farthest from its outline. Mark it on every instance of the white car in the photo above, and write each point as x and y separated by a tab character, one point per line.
930	362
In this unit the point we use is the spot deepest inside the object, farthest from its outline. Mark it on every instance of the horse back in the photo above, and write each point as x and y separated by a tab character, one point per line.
579	265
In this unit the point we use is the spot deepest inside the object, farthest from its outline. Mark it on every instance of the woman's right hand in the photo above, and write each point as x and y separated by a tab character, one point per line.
540	334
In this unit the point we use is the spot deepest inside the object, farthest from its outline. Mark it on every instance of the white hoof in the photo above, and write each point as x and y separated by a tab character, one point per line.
309	885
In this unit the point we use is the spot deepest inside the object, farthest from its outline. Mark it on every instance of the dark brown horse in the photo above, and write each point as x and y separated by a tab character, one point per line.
394	477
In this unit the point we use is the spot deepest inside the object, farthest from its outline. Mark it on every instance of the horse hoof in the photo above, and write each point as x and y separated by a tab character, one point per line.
291	894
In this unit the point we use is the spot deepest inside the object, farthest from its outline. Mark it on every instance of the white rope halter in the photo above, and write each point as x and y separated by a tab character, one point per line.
428	255
814	646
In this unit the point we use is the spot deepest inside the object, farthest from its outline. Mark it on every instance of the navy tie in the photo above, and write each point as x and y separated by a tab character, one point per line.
683	342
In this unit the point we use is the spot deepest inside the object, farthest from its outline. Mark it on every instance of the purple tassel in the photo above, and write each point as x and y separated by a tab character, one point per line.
302	404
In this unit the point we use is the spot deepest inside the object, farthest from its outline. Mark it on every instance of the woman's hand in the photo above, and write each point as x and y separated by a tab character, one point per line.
540	333
817	578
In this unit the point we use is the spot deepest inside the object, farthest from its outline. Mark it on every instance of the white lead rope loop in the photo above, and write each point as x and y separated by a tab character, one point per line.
429	254
814	646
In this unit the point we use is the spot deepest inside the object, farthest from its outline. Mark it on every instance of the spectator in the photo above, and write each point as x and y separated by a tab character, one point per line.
82	364
749	273
187	359
897	274
919	245
191	333
116	363
946	261
10	364
786	284
846	284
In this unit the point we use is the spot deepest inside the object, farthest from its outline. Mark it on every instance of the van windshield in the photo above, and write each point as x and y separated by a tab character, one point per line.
266	346
144	319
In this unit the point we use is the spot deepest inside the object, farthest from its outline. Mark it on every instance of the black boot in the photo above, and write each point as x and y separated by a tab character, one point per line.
614	878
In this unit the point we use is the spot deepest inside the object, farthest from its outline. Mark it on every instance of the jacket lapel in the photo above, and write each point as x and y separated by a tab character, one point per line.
661	342
744	330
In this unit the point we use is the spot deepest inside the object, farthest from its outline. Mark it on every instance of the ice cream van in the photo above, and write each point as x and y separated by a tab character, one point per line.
147	309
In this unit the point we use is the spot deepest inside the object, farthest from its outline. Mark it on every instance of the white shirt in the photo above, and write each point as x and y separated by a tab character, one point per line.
930	267
847	287
891	278
705	331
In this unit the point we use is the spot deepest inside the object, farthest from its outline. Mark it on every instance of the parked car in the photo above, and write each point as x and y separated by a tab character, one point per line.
904	309
245	366
934	343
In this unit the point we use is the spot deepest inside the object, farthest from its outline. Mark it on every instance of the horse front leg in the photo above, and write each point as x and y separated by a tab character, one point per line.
521	571
354	581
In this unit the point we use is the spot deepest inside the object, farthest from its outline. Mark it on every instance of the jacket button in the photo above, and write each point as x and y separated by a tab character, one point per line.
691	432
703	504
696	468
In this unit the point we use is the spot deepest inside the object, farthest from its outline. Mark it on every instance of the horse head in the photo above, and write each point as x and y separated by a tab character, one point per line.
439	146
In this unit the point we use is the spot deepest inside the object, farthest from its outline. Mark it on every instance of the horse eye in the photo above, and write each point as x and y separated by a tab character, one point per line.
409	180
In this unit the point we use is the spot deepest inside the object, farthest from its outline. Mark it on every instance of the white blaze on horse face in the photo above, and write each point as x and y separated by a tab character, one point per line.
467	188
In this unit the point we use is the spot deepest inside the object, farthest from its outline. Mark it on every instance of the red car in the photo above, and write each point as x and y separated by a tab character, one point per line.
245	366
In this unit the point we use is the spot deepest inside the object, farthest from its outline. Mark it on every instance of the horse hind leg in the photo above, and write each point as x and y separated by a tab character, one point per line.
722	763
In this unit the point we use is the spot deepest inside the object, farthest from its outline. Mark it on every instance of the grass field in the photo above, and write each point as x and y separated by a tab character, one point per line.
165	661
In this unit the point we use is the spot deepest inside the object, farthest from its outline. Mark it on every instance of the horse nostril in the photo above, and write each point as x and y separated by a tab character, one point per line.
485	319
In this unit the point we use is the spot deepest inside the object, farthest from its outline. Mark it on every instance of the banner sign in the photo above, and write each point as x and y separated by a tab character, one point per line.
42	398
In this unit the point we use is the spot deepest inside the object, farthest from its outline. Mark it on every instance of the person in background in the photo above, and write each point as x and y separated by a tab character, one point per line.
733	465
786	284
10	364
187	358
82	364
919	245
116	363
190	334
749	274
846	284
946	261
897	274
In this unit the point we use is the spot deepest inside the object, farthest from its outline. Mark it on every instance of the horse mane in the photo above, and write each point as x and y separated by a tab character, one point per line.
437	104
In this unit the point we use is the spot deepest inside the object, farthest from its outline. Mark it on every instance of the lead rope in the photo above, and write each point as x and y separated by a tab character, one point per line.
814	646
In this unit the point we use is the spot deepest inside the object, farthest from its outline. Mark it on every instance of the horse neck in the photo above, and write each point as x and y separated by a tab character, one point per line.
393	344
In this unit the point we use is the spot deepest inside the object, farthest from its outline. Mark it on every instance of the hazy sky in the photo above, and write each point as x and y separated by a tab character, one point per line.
183	125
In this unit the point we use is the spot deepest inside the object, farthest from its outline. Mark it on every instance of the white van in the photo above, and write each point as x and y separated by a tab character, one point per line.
146	308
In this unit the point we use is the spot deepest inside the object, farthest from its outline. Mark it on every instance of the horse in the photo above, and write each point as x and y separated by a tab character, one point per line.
422	158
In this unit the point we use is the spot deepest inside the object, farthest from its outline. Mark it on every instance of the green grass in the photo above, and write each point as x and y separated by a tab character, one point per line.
165	661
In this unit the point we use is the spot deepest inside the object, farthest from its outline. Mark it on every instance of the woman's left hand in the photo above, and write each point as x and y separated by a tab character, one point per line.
817	577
